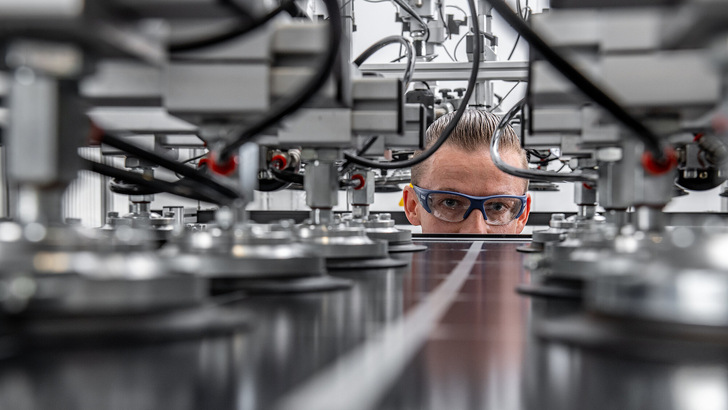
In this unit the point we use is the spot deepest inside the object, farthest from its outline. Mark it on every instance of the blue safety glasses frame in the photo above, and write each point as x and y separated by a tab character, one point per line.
456	207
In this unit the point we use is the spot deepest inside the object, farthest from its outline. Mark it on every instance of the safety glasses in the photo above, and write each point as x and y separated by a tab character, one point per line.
456	207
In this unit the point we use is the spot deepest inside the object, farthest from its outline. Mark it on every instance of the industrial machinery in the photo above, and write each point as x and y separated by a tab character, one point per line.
220	102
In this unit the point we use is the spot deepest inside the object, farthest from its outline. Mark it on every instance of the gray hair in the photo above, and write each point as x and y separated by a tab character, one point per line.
473	132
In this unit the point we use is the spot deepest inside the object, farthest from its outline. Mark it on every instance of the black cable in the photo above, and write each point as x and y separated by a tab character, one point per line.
526	14
345	4
495	155
447	52
406	7
649	138
401	56
194	158
458	8
198	193
442	18
410	54
188	160
288	177
515	44
230	34
477	48
537	154
119	186
271	185
368	144
505	96
455	50
440	7
171	165
288	105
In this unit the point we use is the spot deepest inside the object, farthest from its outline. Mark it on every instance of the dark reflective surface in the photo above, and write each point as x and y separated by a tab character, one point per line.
474	359
490	351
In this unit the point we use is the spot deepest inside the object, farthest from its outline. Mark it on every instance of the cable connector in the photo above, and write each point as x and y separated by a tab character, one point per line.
658	167
360	179
221	168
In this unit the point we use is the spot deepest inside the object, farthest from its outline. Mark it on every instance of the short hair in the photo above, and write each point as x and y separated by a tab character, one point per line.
474	131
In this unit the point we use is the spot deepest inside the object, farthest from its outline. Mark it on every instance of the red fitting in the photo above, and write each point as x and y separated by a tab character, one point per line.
222	169
697	137
360	178
587	186
658	168
279	162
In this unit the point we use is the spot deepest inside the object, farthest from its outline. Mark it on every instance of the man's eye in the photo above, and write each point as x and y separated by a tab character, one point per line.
450	202
498	206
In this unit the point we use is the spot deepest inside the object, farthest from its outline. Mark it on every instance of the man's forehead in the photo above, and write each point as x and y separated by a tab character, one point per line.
455	169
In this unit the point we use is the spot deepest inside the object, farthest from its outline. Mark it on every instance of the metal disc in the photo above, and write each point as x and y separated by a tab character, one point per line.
323	283
547	291
357	264
222	266
409	247
77	330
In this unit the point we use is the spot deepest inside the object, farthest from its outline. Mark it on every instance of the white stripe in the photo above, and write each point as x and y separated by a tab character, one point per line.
359	379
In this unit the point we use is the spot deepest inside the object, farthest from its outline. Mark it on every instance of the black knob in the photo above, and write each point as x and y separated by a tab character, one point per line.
460	91
445	92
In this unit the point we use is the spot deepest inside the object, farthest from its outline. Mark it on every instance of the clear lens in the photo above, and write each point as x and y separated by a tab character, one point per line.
448	207
452	208
500	211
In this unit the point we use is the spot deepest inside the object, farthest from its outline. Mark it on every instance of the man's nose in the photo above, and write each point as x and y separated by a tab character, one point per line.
475	223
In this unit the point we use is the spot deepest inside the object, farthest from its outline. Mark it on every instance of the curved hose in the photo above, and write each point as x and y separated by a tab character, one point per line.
231	34
286	106
477	47
197	192
528	173
406	7
409	49
164	162
649	138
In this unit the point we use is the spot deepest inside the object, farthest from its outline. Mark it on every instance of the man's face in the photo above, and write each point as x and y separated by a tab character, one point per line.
471	173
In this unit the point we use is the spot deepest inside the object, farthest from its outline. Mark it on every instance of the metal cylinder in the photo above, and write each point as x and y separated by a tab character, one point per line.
649	219
177	213
362	194
321	216
587	212
360	211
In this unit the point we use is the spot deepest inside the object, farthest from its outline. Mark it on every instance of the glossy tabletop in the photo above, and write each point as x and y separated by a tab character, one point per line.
447	332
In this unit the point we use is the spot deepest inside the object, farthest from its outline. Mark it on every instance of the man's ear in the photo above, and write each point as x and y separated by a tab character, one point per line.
410	205
524	216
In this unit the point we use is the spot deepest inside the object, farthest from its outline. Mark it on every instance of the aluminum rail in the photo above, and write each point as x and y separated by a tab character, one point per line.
428	71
